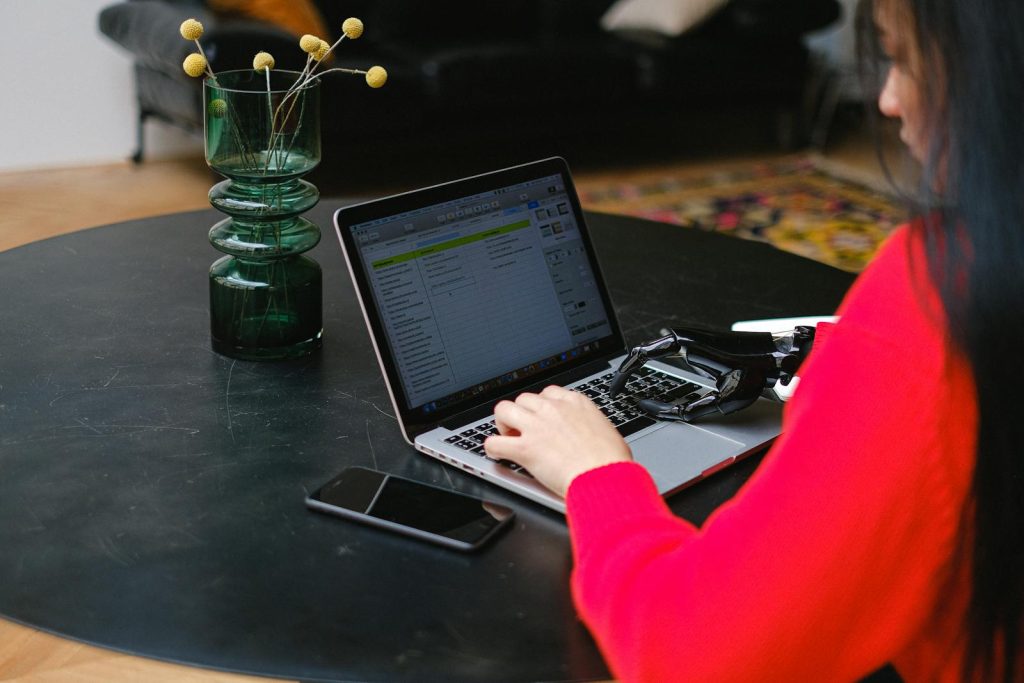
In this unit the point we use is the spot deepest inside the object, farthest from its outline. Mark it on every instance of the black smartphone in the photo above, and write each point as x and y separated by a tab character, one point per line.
409	507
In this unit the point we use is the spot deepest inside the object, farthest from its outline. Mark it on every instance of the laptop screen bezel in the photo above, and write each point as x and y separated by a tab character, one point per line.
414	420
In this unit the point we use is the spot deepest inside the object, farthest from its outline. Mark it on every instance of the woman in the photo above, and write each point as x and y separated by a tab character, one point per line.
885	524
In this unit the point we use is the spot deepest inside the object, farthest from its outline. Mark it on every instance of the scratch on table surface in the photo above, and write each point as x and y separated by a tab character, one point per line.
87	426
106	388
174	456
378	408
117	371
447	474
189	534
41	527
155	428
113	552
227	400
116	429
373	454
459	637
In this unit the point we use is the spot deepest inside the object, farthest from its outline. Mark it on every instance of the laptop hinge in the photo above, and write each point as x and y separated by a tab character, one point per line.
567	377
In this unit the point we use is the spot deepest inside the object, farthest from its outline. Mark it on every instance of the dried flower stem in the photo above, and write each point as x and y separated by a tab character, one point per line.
209	69
305	77
311	68
338	68
270	112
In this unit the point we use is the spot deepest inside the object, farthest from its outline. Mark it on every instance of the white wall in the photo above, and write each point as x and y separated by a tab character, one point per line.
66	92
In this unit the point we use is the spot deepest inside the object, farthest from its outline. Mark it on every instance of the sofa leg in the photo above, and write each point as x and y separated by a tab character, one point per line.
140	138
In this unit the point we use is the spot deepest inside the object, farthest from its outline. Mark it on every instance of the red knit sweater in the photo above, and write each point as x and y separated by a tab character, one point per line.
834	558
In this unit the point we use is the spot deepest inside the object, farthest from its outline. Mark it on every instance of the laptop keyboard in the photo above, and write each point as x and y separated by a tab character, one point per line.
622	411
646	383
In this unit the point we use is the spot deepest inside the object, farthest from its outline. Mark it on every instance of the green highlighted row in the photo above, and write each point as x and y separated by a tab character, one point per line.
451	244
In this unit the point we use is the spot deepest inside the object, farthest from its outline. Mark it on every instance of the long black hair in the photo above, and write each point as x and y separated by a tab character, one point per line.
972	85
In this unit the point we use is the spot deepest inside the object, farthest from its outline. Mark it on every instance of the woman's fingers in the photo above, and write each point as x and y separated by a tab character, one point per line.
556	392
504	447
509	417
556	435
530	401
512	414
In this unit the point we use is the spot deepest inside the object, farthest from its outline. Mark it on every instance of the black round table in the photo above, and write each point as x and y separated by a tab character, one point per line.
151	491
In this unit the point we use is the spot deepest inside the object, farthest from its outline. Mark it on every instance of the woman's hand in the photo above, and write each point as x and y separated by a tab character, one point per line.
557	435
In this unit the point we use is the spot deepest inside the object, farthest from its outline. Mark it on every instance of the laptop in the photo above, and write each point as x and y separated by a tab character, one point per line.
481	288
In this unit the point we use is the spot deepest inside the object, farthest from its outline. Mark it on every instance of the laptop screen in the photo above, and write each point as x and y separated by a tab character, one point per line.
481	287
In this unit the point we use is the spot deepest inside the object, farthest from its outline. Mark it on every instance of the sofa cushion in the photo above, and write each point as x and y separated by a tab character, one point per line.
169	98
148	29
671	18
701	70
447	22
766	19
530	76
298	17
574	17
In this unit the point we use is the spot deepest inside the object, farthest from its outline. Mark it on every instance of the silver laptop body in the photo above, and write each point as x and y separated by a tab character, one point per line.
484	287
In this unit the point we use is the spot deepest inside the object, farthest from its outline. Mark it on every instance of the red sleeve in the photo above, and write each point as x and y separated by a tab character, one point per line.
824	565
822	332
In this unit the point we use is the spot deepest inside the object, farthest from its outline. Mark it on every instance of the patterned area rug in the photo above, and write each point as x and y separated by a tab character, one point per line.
796	205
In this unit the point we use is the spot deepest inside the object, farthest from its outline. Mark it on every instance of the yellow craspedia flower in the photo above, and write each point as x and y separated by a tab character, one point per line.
352	28
191	29
376	76
218	108
263	60
309	43
194	65
321	51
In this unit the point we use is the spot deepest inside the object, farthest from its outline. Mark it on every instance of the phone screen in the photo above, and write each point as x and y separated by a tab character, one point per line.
404	505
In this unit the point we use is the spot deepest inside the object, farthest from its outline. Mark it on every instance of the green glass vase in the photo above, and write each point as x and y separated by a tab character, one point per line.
263	134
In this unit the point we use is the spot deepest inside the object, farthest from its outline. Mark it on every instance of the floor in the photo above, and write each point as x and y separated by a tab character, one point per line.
47	203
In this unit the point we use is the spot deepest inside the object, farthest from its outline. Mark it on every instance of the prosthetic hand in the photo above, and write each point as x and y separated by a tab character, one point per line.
742	365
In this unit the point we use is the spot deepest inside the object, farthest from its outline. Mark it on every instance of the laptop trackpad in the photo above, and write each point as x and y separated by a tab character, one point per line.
678	453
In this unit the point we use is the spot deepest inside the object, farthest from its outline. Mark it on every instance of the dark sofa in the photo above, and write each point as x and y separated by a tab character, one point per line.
473	85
